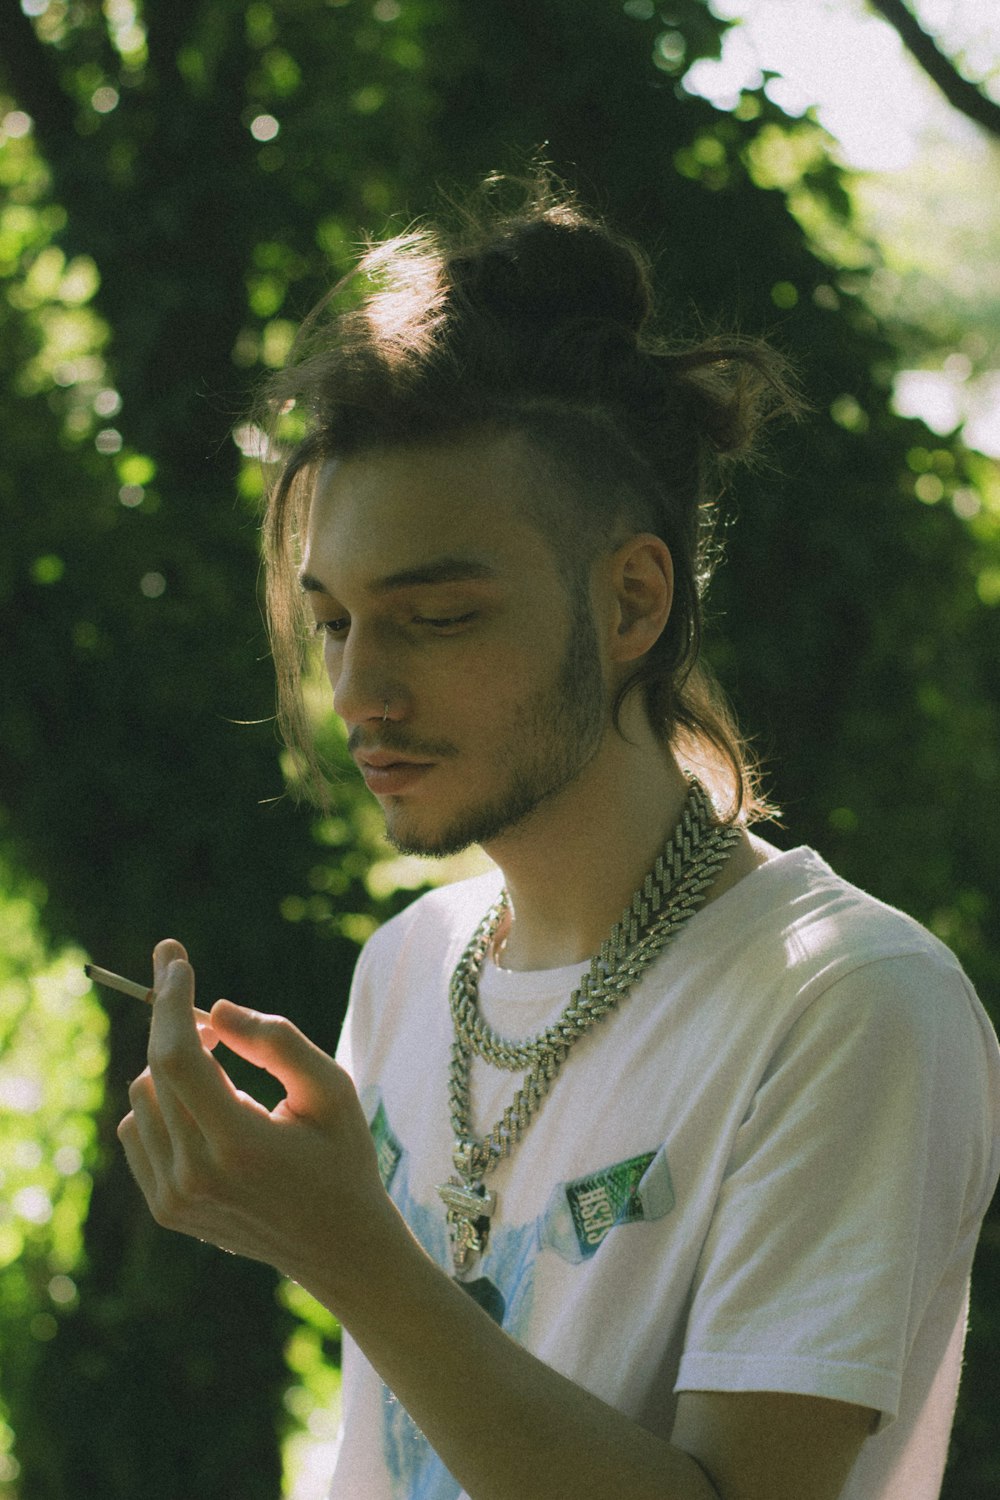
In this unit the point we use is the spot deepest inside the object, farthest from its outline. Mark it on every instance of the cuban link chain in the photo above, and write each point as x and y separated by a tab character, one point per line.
671	893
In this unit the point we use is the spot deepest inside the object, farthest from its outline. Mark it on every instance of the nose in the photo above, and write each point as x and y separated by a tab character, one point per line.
365	679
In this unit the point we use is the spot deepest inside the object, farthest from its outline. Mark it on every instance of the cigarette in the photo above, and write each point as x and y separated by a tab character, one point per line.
116	982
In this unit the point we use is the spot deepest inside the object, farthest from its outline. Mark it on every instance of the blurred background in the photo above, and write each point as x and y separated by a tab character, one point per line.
179	181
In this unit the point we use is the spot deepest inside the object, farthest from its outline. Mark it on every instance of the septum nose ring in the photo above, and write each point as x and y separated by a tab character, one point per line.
385	711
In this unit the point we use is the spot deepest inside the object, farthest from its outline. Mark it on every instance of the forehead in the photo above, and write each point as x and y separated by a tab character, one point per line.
381	514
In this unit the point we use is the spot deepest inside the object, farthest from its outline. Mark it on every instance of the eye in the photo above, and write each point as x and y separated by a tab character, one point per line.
446	623
333	628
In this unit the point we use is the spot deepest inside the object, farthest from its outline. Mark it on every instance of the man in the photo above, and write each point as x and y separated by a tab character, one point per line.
655	1160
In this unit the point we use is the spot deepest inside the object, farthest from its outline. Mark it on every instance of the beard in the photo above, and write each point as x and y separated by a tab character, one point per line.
556	736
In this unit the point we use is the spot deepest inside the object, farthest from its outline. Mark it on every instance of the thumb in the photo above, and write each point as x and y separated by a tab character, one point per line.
307	1074
165	955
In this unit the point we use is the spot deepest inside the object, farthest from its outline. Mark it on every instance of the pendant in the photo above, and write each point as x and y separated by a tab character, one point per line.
469	1213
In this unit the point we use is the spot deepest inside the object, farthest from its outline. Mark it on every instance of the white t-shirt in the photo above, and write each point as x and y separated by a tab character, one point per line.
765	1171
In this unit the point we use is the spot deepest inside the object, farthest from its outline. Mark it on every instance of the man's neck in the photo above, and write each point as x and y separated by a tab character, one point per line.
572	866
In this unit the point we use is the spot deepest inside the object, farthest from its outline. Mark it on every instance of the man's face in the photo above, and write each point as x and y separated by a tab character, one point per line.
437	597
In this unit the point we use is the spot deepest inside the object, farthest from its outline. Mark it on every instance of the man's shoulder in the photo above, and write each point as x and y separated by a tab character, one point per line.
813	898
819	928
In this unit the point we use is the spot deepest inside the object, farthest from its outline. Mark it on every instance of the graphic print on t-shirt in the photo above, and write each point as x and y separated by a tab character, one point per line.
579	1216
387	1148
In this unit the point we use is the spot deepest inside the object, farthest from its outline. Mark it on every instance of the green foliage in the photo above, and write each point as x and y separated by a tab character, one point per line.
52	1060
313	1397
195	175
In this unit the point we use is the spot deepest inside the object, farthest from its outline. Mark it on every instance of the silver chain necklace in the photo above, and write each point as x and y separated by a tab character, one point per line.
671	893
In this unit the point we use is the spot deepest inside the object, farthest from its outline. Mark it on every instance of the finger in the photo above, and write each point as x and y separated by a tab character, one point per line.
149	1124
155	1176
194	1094
175	1165
308	1074
135	1154
207	1035
163	956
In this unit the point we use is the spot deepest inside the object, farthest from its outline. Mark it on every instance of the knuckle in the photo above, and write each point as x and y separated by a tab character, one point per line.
180	1195
168	1058
232	1157
138	1088
170	1212
272	1025
192	1182
159	1207
341	1086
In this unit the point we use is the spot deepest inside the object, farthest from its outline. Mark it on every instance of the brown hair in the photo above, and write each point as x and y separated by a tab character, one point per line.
538	321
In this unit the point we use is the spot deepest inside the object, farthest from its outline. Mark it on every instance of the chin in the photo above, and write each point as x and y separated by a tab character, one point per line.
439	838
414	835
428	846
471	827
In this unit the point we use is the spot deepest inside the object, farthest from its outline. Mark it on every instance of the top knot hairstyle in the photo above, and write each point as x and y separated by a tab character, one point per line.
536	321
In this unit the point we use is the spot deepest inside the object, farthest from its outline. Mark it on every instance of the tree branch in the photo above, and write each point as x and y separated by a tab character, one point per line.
959	92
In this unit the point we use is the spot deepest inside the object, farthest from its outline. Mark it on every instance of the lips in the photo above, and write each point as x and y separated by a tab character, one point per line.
380	759
388	774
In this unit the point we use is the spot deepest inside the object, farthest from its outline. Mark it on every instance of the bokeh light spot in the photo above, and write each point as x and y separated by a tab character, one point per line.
68	1160
47	569
62	1289
33	1204
43	1327
107	403
264	128
784	295
15	124
104	100
928	488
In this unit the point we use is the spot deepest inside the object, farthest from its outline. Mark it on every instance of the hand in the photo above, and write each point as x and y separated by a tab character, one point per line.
296	1186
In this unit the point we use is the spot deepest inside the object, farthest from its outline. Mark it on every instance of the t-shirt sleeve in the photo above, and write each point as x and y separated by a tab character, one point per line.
858	1174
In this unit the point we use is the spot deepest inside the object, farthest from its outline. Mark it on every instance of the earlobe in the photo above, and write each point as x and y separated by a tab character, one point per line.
644	588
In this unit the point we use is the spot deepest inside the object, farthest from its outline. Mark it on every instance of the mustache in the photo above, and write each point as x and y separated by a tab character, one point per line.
390	737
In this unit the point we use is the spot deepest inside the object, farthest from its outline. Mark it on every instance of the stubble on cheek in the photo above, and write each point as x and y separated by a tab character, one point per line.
548	741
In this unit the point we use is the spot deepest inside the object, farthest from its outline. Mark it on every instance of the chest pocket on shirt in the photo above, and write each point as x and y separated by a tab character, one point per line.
582	1213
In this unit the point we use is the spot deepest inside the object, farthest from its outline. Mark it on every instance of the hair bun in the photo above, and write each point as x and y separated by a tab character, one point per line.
554	269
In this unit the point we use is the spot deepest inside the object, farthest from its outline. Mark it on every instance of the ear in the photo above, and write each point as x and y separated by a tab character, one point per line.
642	575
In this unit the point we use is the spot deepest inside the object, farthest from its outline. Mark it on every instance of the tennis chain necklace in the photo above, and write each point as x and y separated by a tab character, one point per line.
671	893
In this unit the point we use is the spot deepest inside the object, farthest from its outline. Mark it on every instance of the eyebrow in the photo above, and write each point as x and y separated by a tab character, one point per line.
441	570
